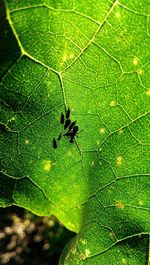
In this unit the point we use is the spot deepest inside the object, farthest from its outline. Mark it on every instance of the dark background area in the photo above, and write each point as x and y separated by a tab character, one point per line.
27	239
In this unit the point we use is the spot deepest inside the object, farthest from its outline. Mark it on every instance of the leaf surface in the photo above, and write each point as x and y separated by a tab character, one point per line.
91	57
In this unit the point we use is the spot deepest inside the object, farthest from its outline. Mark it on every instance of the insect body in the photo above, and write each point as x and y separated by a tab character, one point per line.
54	143
59	137
71	139
71	125
73	133
62	118
75	129
70	128
68	113
67	123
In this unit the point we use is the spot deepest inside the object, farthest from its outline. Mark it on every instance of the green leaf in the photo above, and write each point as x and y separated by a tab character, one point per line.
91	57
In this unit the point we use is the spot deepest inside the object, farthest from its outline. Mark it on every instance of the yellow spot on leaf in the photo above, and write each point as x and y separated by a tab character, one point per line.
86	255
71	56
12	119
83	241
82	257
135	61
70	225
64	57
102	130
119	160
139	71
140	202
112	235
27	141
47	165
92	163
119	205
69	153
124	261
87	252
112	103
148	92
120	131
117	14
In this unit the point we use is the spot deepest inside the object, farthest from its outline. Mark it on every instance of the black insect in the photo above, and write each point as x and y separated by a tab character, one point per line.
59	137
71	139
71	125
68	113
75	130
70	129
62	118
67	123
54	144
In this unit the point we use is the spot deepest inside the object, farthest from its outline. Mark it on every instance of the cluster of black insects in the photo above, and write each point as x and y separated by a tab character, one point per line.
70	128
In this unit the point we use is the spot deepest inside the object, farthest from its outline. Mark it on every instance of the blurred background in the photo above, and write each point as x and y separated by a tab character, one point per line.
26	239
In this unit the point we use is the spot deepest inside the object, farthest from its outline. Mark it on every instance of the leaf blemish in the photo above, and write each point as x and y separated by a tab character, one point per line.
124	261
140	202
139	71
117	14
102	130
112	103
26	141
87	252
148	92
92	163
120	131
135	61
119	205
112	235
83	241
47	165
86	255
119	160
98	142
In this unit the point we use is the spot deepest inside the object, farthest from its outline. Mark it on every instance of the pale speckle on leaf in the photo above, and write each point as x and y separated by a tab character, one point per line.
119	160
124	261
135	60
69	153
83	241
117	14
26	141
112	103
120	131
92	163
148	92
71	56
87	252
98	142
139	71
140	202
47	165
119	205
102	130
